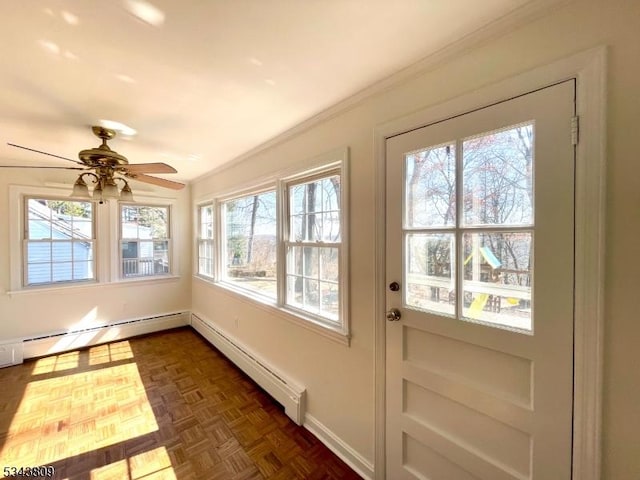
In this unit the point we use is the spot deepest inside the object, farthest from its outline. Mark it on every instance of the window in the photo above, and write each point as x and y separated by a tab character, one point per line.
144	240
205	240
313	246
469	226
59	241
250	243
284	244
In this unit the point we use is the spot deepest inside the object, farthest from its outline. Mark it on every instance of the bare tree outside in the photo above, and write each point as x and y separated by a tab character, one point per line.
250	226
314	233
497	191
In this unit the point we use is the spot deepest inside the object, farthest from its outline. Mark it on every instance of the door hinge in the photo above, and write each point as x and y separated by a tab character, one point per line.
575	129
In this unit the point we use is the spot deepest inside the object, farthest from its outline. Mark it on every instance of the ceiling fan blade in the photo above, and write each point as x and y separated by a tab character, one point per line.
150	168
161	182
44	153
32	166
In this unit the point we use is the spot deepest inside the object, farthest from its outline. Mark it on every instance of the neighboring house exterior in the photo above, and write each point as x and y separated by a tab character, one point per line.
143	256
60	247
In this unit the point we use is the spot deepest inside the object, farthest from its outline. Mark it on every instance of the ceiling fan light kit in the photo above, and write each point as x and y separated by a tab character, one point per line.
105	168
105	189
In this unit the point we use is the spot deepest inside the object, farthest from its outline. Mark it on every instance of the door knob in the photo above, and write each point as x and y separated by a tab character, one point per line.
393	315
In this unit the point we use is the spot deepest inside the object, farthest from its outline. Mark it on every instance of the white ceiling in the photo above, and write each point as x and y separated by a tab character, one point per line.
213	80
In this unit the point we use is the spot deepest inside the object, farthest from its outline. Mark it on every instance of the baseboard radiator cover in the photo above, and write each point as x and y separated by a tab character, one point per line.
11	354
41	345
286	392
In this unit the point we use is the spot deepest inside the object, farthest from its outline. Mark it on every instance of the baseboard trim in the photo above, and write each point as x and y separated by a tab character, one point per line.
334	443
58	342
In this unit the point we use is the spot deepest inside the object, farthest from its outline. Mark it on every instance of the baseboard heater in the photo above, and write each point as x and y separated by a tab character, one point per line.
40	345
11	354
287	393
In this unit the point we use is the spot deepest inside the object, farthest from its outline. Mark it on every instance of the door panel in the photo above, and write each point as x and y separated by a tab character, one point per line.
480	237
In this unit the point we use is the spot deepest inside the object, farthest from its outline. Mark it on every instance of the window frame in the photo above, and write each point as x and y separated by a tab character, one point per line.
287	184
461	228
106	224
220	246
201	240
24	240
120	271
328	164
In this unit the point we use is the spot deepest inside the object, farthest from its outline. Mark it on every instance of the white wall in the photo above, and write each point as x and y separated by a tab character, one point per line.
40	312
339	379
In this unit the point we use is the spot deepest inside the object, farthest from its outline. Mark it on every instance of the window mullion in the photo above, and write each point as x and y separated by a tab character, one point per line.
458	259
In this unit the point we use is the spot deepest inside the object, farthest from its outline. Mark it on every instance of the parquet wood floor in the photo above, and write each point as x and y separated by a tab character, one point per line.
164	406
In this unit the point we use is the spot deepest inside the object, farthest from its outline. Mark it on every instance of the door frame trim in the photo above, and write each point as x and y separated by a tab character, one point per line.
589	70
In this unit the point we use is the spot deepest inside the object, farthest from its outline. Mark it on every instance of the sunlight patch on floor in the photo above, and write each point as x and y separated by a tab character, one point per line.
74	414
110	353
152	465
56	363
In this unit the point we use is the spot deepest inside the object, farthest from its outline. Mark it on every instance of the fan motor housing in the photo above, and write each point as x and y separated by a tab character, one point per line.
102	156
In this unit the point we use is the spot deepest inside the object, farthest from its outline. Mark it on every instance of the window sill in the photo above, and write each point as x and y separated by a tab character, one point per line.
89	285
291	316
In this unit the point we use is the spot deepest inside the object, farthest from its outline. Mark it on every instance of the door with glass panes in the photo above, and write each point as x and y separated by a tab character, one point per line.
479	268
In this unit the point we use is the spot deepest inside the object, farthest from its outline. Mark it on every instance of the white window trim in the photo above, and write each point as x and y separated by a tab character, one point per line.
198	239
138	203
325	170
24	240
335	160
106	254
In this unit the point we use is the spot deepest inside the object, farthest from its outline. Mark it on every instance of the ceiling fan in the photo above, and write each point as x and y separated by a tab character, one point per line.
105	167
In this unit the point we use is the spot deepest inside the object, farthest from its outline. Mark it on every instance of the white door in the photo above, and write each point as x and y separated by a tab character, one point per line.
479	369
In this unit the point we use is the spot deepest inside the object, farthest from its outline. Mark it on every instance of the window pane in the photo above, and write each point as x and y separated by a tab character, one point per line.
82	251
82	270
297	229
147	251
204	250
129	214
312	280
429	273
250	243
38	273
330	193
329	265
497	278
430	187
331	227
297	199
294	260
129	249
62	272
206	221
39	229
498	177
82	229
39	252
68	225
294	290
205	257
310	262
313	271
329	300
315	211
161	257
61	251
311	295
